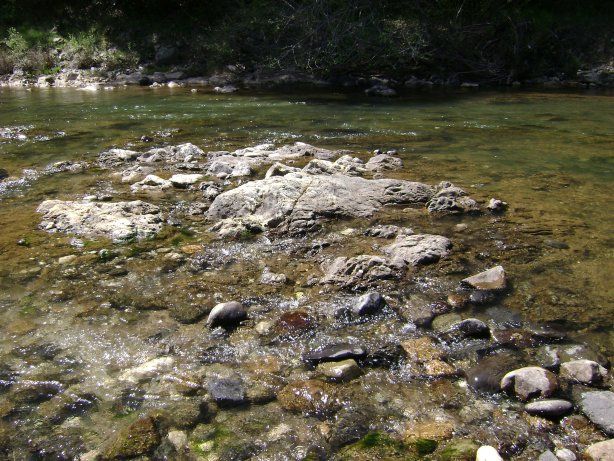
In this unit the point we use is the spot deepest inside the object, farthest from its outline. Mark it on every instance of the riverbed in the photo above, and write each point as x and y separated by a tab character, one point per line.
78	313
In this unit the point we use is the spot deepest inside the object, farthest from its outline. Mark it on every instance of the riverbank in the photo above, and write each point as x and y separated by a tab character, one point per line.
233	78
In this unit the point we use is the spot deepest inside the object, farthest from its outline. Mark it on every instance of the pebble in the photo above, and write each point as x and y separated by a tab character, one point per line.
178	439
369	304
487	453
496	205
529	382
227	314
583	371
550	408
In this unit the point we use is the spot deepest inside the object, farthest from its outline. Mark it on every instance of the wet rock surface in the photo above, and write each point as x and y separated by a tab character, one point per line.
305	361
120	221
598	406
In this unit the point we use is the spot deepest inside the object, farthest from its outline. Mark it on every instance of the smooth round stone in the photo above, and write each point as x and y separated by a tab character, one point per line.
487	453
227	314
550	408
345	370
471	327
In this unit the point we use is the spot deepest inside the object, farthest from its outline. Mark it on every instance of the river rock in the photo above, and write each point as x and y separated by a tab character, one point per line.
496	205
183	181
346	164
310	396
583	371
451	199
380	90
279	169
151	182
421	350
549	408
227	314
418	249
598	406
600	451
491	279
359	271
369	304
3	174
384	162
294	323
227	391
421	310
136	439
471	327
529	382
271	278
443	323
148	370
486	375
344	370
118	221
487	453
387	231
297	201
335	353
226	89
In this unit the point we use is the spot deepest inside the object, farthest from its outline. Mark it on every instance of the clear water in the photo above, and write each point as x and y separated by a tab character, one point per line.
550	155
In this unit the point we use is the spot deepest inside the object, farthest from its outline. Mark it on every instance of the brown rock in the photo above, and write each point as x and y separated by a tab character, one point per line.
310	396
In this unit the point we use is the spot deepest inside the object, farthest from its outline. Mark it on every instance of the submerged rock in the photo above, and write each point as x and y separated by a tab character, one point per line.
297	201
118	221
451	199
310	396
529	382
486	375
414	250
136	439
345	370
148	370
491	279
227	391
598	406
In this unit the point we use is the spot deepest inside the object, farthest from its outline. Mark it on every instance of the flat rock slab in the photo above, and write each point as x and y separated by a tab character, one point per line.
296	201
120	221
598	406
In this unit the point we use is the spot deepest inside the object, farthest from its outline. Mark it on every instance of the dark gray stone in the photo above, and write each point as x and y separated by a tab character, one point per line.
549	408
369	304
335	353
227	391
227	314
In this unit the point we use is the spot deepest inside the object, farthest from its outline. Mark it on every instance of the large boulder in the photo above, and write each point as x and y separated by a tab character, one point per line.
119	221
296	201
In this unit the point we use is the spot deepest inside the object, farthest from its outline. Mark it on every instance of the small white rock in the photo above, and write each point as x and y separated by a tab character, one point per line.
487	453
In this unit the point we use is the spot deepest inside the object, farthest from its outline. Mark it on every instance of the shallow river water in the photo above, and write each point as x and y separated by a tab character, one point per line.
71	327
